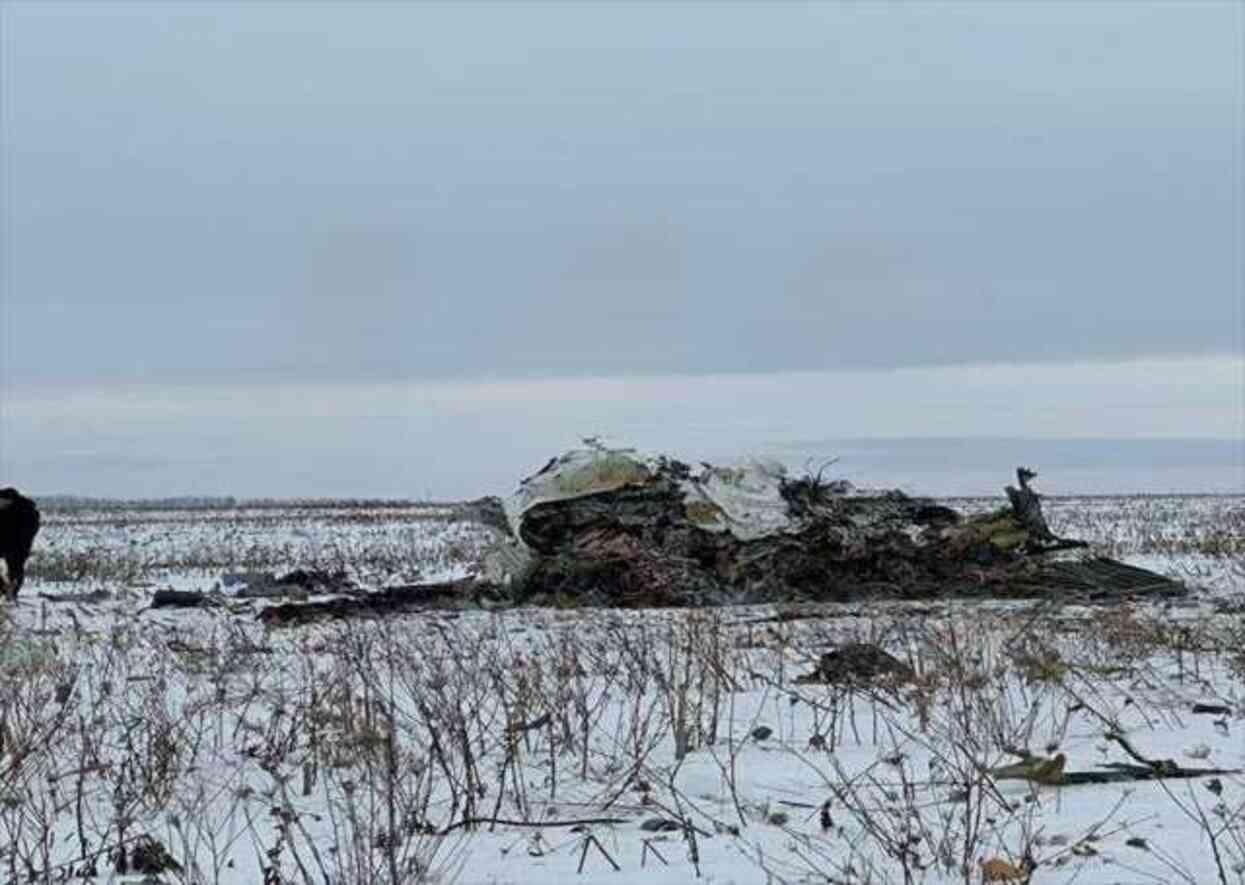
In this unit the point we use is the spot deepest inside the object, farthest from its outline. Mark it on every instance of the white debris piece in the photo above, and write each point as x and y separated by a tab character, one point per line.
745	500
576	473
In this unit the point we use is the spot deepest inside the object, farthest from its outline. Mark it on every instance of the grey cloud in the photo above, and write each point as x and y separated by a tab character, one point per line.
204	190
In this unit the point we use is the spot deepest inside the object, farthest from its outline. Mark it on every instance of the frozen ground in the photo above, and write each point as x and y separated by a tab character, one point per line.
358	752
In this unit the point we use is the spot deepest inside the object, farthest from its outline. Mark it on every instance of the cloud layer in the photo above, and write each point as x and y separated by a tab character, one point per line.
1154	425
382	191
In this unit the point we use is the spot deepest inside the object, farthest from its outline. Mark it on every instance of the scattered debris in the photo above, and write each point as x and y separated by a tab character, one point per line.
299	582
858	663
181	599
1212	709
88	597
1037	769
409	597
148	857
660	825
1051	771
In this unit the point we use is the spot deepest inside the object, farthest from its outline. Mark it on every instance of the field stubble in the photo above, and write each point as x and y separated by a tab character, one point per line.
527	745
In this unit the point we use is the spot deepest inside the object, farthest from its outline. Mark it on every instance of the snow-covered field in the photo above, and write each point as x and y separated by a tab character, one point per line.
534	745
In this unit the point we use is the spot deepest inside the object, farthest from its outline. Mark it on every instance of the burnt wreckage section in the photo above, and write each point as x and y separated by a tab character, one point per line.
659	534
610	528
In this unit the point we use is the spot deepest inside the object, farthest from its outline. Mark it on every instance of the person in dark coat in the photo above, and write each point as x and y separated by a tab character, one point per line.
19	523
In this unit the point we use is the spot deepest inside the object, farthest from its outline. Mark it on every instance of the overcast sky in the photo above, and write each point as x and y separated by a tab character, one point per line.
350	193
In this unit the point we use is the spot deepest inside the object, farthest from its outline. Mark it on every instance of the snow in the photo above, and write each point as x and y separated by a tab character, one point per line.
296	751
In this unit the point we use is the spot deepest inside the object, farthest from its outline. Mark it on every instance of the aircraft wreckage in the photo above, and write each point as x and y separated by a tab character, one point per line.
598	526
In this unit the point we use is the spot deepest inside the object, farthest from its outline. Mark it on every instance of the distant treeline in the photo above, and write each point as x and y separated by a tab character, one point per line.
62	503
71	503
184	502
